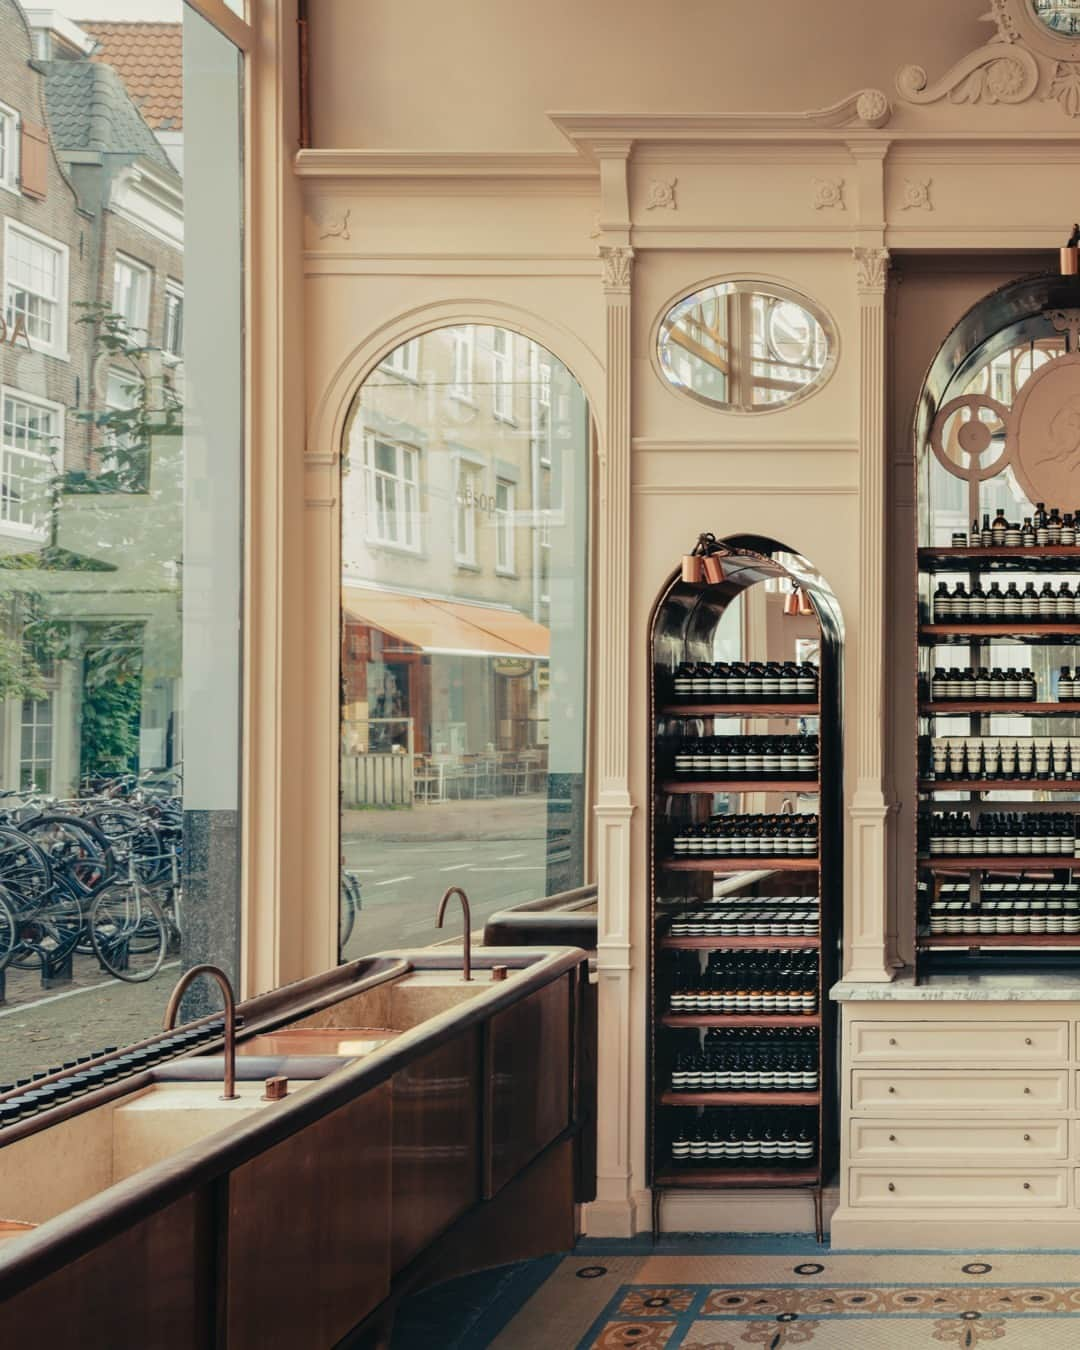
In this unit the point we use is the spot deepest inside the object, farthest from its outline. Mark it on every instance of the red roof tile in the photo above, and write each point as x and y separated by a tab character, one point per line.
148	57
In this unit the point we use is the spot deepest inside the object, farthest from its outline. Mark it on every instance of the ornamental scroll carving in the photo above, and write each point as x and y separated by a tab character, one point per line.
617	261
1022	60
1040	433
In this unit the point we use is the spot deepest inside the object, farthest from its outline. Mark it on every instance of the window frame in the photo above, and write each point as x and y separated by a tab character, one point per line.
50	701
9	172
58	350
409	367
174	295
464	338
404	453
502	377
140	331
9	526
505	529
470	466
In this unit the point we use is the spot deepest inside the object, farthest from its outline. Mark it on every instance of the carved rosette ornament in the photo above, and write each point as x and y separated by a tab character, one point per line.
662	194
617	262
917	195
829	194
871	270
1031	53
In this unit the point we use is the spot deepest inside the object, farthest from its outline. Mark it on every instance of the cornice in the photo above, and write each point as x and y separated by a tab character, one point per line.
373	165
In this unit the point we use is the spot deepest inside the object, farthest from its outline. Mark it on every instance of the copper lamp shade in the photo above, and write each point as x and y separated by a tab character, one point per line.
791	602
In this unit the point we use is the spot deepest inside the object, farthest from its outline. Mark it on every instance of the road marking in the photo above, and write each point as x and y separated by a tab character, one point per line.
454	867
533	867
363	870
70	993
390	881
509	857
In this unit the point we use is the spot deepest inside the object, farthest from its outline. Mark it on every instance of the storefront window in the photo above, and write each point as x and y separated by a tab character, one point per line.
464	565
120	525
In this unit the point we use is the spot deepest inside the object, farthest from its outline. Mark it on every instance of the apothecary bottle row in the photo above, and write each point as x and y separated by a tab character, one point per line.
787	758
1034	759
743	1137
747	681
994	605
1005	833
752	836
745	982
736	1059
984	683
1044	529
774	916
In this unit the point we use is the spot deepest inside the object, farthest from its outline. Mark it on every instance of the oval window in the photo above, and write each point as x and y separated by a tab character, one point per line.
747	346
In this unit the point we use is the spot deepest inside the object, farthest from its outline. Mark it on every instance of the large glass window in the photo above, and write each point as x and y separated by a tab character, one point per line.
121	457
464	564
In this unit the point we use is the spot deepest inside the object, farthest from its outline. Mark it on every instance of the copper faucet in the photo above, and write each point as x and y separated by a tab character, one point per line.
467	958
182	985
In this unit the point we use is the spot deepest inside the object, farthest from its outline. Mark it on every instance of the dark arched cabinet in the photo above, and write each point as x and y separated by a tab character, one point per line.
747	872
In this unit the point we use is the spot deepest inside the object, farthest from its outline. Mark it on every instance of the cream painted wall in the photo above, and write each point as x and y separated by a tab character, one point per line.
483	75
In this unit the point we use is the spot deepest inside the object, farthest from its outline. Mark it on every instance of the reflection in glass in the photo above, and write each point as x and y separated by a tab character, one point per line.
746	346
464	534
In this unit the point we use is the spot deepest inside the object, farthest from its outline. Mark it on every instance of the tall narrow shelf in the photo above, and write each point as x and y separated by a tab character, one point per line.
689	623
984	918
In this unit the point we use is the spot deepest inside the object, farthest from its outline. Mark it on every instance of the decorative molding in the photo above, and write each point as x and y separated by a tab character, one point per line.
916	195
662	194
1067	321
1021	58
866	108
403	164
617	261
337	225
714	445
726	489
829	194
871	270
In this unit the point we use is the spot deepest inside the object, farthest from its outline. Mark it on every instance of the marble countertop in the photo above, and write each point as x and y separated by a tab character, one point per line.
1048	987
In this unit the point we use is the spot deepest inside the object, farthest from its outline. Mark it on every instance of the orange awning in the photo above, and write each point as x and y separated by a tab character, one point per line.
451	626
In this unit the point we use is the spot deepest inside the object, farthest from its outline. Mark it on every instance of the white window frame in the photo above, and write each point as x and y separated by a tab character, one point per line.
541	406
54	457
138	325
471	468
173	292
404	361
505	540
502	376
35	703
59	346
406	533
462	363
9	165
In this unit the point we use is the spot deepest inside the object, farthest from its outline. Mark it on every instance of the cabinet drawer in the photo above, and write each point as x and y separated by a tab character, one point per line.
946	1188
997	1090
962	1142
1034	1044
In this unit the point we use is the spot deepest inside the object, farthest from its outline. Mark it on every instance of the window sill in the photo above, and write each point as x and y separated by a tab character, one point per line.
509	572
467	399
400	375
506	418
465	565
386	546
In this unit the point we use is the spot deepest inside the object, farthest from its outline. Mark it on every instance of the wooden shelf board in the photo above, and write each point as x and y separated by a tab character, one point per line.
740	1098
926	940
1006	559
711	864
709	942
712	785
706	709
693	1176
962	707
687	1020
1000	863
1000	785
974	631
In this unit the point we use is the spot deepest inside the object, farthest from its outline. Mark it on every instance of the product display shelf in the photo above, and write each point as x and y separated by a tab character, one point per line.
1000	950
692	799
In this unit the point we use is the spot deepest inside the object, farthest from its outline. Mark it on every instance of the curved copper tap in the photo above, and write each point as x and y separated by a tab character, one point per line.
467	947
182	985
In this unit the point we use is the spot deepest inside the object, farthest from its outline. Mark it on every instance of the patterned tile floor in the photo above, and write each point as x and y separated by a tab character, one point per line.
771	1292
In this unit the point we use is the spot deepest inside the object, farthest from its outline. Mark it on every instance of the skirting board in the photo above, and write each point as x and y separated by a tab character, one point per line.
735	1211
993	1230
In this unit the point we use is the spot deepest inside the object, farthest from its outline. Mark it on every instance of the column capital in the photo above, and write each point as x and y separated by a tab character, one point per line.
617	261
871	270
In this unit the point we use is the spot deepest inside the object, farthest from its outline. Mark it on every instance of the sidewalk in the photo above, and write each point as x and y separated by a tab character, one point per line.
488	818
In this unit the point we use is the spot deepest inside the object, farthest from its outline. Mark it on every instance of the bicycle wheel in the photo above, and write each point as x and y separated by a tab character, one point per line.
9	933
130	835
77	850
129	932
24	868
47	933
348	904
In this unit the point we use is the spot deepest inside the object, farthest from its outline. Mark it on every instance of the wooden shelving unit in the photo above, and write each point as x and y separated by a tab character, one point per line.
971	794
679	799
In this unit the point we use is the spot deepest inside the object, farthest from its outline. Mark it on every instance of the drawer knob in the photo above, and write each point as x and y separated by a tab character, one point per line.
892	1089
892	1040
1027	1092
891	1186
1027	1185
1027	1040
892	1138
1027	1138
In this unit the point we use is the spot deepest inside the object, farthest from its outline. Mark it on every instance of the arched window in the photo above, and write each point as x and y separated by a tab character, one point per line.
464	591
